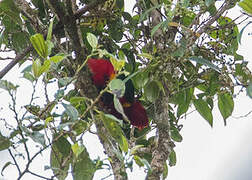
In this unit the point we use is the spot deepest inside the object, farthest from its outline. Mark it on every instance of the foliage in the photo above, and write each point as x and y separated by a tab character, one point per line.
175	62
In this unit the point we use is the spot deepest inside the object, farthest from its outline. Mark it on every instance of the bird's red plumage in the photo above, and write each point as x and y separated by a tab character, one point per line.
102	71
135	113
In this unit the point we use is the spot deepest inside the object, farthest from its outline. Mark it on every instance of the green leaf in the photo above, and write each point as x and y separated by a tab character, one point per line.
175	135
140	80
77	150
209	2
117	64
49	33
63	146
6	85
71	111
83	166
204	62
8	8
57	158
138	161
36	65
115	131
5	143
39	45
204	110
57	58
246	5
155	28
92	40
151	91
45	67
184	99
172	158
117	86
249	90
226	105
64	81
29	76
119	107
37	137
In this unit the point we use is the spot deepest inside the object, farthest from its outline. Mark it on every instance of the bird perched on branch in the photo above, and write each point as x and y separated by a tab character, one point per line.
102	72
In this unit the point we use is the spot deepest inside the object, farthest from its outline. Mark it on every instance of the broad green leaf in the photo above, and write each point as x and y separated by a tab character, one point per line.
64	81
8	8
50	46
204	110
37	137
140	80
58	159
77	150
226	105
119	107
63	146
117	64
172	158
138	161
49	33
114	118
246	5
45	67
92	40
115	131
5	143
39	45
209	2
151	91
134	150
36	65
47	120
175	135
29	76
117	86
57	58
204	62
249	90
71	111
6	85
184	99
83	166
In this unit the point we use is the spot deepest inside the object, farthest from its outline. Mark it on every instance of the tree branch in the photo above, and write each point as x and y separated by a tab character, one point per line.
164	143
118	167
28	12
18	57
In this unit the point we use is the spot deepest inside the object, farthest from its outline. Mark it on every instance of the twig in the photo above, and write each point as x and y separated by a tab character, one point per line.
18	57
15	162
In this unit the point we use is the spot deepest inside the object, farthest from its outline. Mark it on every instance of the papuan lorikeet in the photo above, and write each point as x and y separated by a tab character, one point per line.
102	72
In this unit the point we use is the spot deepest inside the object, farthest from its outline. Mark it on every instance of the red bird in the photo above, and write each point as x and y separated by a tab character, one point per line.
102	72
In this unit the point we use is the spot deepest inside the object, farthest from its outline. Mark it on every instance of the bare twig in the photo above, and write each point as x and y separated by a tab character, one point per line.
19	56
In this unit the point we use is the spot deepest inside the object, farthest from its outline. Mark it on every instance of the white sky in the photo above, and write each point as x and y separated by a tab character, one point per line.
218	153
